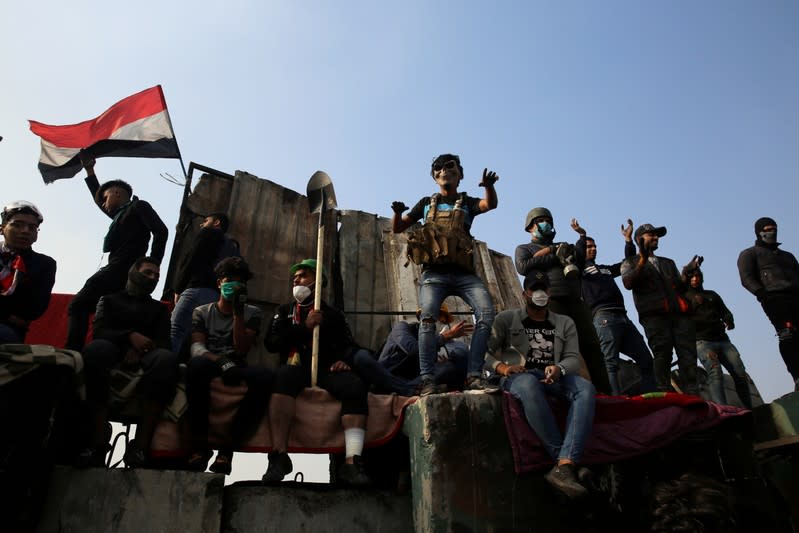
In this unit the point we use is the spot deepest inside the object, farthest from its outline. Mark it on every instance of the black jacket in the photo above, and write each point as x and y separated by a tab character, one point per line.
764	269
599	289
335	339
129	235
32	295
710	315
559	286
120	314
656	291
210	246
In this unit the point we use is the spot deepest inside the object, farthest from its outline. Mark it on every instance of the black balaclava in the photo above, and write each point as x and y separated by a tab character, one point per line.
138	284
767	238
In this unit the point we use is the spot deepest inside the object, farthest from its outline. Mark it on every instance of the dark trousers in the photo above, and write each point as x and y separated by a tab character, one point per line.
252	408
672	332
451	372
782	309
157	384
347	387
110	278
589	342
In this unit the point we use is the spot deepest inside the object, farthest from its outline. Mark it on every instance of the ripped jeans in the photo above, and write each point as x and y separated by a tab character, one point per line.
717	354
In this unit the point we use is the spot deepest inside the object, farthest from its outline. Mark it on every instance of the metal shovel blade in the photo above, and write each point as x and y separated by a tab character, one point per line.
320	191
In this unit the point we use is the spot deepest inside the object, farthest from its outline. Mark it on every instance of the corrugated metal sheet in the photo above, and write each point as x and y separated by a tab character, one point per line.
366	262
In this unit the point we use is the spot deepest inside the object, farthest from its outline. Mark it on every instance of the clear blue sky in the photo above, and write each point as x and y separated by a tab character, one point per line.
681	114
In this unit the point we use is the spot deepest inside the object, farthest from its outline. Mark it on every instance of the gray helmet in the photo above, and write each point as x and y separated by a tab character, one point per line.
534	214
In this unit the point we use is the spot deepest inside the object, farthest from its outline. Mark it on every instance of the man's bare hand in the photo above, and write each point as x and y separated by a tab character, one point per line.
551	374
339	366
627	231
576	227
461	329
87	162
314	319
140	343
489	178
514	369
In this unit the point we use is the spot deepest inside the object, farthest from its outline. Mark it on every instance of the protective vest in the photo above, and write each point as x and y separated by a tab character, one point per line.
442	239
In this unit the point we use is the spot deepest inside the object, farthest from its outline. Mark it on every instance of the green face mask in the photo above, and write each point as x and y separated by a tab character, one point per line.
229	287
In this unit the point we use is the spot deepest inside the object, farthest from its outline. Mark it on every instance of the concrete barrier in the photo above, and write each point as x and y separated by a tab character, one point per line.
132	501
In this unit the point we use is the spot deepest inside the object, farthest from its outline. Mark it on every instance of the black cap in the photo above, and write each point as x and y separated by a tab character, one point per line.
535	279
649	228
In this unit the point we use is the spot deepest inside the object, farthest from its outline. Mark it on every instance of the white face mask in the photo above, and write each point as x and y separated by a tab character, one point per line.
540	298
301	293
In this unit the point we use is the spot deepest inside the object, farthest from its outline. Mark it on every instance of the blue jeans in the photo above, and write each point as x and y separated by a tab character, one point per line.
715	354
450	372
529	389
189	300
434	287
618	335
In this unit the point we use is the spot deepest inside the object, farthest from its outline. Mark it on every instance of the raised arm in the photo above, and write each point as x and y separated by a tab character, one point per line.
489	200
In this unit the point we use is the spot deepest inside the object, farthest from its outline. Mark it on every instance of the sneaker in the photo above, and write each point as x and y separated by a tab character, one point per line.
134	456
562	478
198	461
279	466
223	464
353	474
427	388
479	385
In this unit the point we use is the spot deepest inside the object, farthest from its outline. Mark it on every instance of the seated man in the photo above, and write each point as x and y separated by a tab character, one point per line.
26	277
222	334
133	329
397	368
290	334
535	350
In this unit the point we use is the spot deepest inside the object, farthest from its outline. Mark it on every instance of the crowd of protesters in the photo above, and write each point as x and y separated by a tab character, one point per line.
565	341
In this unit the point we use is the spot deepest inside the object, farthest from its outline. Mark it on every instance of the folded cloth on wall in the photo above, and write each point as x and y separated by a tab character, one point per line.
316	427
623	427
18	359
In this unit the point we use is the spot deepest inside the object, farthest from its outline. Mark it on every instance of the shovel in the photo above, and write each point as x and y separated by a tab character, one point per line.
321	197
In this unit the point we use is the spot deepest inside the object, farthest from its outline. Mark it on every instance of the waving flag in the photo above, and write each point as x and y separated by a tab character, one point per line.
137	126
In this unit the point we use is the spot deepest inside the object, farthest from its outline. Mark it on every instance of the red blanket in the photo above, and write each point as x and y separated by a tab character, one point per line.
623	427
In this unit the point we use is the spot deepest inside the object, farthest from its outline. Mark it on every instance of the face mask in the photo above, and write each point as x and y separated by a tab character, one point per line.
228	288
768	237
540	298
544	231
301	293
140	285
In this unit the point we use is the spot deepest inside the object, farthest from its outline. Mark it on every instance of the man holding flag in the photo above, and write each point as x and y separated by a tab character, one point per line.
137	126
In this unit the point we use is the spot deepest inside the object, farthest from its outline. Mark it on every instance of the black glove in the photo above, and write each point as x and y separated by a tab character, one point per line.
231	372
564	253
398	207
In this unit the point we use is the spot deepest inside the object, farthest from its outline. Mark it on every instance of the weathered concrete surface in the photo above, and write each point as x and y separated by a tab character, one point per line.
134	501
777	423
314	508
462	471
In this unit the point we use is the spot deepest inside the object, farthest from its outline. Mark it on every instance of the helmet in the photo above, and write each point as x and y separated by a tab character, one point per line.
534	214
21	206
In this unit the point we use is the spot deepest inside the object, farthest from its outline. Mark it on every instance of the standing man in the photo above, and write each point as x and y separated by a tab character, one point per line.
616	332
713	346
223	332
772	275
444	248
290	334
535	350
132	222
663	311
26	277
397	368
558	261
132	329
195	282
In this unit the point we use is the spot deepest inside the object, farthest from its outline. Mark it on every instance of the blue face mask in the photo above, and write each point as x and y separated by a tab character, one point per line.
228	288
544	231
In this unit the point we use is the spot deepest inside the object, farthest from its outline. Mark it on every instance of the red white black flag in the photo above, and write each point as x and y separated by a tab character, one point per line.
137	126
